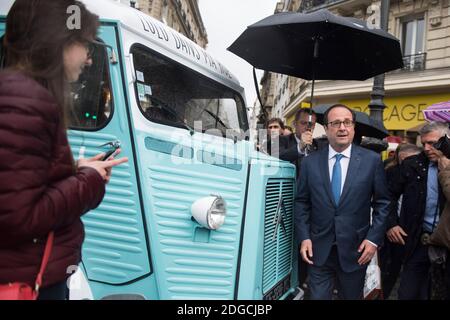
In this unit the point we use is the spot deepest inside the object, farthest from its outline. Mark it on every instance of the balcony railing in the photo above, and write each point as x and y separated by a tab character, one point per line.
414	62
312	5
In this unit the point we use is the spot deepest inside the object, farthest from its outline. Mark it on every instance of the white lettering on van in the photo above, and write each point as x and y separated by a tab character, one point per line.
74	20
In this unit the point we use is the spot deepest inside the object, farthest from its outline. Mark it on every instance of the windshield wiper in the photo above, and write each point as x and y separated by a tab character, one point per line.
162	105
216	118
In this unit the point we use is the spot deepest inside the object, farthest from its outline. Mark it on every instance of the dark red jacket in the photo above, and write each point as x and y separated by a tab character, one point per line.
40	189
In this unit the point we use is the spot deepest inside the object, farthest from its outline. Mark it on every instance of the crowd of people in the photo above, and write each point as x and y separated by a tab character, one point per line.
350	206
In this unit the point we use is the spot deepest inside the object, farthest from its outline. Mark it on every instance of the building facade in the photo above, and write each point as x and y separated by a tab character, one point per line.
275	87
182	15
423	28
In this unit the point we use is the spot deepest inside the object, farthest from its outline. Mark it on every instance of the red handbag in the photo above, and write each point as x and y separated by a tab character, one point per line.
23	291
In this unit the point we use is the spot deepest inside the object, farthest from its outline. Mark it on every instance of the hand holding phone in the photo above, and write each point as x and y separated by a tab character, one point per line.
104	162
108	154
104	167
114	145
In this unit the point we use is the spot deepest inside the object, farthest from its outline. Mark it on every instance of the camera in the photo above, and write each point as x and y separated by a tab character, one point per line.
443	145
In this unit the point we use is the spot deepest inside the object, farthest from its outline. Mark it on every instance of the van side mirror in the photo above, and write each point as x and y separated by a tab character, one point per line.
113	56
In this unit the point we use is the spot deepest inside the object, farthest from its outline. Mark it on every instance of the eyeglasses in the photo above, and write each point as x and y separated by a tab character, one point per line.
337	123
91	47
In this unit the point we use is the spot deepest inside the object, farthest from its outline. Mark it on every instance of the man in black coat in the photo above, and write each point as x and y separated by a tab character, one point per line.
299	144
391	253
422	205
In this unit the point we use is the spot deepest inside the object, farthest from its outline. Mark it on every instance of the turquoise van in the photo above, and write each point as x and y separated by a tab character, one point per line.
196	213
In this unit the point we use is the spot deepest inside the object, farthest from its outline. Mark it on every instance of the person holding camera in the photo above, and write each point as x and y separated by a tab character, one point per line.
441	235
422	205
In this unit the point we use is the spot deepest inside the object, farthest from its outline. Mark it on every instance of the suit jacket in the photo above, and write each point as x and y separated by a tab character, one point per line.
319	218
289	150
412	184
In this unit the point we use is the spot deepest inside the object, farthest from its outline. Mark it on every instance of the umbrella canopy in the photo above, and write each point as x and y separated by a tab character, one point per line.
438	112
318	45
365	126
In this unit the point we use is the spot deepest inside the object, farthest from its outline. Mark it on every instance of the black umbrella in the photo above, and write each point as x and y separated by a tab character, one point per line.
365	126
318	46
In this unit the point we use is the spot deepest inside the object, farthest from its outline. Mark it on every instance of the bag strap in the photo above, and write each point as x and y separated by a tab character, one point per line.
47	252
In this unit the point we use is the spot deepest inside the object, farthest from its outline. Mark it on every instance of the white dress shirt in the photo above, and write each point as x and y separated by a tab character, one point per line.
298	145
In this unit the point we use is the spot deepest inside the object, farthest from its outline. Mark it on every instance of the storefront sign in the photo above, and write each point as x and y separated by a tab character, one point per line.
401	113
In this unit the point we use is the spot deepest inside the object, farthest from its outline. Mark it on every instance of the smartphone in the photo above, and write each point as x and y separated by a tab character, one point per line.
114	146
443	145
108	154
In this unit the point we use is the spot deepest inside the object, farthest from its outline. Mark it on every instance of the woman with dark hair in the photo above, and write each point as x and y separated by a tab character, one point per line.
42	189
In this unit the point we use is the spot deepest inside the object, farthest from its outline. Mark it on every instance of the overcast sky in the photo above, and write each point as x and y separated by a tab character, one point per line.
224	21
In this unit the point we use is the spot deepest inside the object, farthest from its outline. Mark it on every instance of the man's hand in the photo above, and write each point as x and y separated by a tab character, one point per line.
368	250
306	251
306	139
396	234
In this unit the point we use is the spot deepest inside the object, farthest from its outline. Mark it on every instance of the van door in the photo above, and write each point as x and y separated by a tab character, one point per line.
115	249
185	124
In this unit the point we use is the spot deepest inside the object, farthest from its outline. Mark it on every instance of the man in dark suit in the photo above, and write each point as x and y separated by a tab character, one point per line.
422	205
337	187
296	146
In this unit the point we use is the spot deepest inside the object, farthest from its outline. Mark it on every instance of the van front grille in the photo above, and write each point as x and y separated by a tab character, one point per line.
278	231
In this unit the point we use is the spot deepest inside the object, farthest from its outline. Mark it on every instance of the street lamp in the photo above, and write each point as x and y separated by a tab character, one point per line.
376	104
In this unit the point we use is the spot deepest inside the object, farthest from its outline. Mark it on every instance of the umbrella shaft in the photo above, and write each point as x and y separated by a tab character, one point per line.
312	93
316	48
315	55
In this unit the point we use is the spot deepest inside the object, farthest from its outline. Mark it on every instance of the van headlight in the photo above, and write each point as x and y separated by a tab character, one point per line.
210	211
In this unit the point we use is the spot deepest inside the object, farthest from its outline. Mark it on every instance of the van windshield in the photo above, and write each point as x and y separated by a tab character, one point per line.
171	94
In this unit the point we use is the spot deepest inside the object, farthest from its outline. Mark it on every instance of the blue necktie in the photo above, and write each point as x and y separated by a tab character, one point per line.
336	178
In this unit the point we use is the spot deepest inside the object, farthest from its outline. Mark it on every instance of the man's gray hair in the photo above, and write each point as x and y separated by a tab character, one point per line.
442	127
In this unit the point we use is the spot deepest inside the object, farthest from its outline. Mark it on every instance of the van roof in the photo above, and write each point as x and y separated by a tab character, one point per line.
151	29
